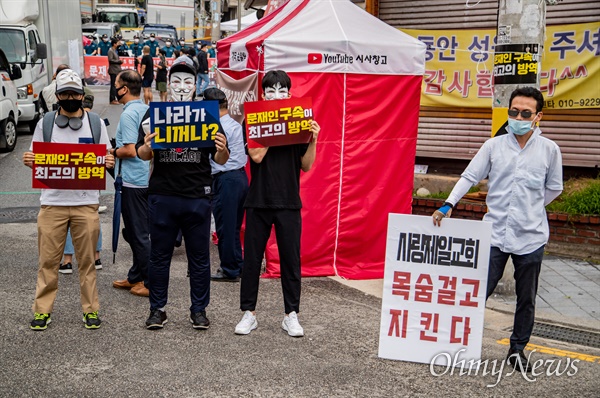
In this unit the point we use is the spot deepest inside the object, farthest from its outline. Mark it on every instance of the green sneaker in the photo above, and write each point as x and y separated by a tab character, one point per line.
40	321
91	320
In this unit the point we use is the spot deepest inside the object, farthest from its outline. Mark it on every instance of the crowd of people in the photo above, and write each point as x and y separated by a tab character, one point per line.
144	53
188	185
185	187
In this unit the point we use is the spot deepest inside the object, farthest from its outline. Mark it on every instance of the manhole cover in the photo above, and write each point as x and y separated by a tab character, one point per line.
568	335
19	215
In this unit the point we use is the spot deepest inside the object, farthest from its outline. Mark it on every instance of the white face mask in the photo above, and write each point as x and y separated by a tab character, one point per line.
276	92
168	44
122	42
105	40
136	41
152	39
182	86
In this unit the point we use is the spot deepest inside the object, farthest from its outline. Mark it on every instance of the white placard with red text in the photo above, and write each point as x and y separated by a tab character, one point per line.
434	289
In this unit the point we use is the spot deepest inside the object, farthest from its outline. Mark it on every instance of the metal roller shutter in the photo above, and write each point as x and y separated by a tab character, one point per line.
457	133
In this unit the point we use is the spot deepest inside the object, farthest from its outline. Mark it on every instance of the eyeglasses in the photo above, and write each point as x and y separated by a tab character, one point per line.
525	114
69	95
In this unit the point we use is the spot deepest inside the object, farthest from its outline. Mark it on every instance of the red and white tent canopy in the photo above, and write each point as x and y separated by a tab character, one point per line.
365	79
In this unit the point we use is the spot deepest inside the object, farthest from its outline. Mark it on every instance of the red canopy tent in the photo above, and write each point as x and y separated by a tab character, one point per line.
365	79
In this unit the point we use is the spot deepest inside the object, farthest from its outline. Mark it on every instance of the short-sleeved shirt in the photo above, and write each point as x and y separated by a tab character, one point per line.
149	72
235	143
180	171
104	46
133	170
168	51
70	197
136	49
90	48
275	182
153	46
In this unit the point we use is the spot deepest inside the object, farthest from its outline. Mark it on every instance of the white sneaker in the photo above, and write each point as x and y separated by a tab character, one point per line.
247	324
102	209
291	325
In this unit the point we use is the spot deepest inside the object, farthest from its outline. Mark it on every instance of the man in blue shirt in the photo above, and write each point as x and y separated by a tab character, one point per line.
92	48
123	49
153	44
168	49
135	174
524	173
104	46
181	44
230	187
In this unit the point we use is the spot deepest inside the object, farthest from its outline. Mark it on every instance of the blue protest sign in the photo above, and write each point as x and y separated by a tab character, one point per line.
184	124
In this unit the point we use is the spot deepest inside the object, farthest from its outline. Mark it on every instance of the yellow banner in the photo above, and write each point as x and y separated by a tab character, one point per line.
459	67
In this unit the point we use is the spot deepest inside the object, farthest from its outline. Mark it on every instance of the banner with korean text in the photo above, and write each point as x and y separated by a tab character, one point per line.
69	166
460	66
434	289
95	68
278	122
191	124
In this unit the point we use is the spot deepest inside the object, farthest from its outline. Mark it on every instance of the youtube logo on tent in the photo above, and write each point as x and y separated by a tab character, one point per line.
315	58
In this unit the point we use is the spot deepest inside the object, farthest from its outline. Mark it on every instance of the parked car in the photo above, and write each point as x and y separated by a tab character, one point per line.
98	29
9	111
161	31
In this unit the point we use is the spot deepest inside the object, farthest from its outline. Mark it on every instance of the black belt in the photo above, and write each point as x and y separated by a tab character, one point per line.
228	171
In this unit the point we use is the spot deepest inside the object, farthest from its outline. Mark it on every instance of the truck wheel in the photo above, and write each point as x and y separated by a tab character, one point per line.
8	134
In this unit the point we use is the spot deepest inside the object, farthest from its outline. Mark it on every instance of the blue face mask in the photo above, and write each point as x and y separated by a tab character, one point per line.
519	127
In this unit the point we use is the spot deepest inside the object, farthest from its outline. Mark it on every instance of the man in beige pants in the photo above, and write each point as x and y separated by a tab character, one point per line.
64	208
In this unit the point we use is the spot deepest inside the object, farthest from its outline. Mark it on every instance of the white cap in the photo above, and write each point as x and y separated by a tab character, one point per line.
68	80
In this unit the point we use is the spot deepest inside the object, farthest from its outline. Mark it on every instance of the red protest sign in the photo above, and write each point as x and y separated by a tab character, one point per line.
278	122
69	166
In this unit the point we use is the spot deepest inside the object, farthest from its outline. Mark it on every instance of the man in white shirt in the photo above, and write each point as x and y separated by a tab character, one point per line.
525	175
64	208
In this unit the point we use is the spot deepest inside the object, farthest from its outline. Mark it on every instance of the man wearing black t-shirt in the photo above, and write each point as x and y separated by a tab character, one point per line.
179	194
274	199
147	72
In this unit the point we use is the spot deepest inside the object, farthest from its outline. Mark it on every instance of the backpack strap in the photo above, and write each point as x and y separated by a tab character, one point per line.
95	126
47	125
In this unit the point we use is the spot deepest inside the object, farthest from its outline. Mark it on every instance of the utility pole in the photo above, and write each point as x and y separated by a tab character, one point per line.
215	10
517	56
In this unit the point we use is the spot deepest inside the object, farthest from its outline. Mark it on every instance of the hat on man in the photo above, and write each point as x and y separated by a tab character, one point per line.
105	36
214	94
152	35
183	64
68	80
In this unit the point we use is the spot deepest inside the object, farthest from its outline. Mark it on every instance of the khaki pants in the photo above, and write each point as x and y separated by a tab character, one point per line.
53	222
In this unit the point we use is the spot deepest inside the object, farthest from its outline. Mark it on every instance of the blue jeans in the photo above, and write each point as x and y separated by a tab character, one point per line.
229	194
167	215
202	83
527	272
69	249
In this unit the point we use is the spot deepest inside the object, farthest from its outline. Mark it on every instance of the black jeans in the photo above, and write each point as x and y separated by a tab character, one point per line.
113	91
527	272
288	228
134	209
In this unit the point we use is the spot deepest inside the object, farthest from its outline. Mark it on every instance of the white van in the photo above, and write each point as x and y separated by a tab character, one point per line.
9	112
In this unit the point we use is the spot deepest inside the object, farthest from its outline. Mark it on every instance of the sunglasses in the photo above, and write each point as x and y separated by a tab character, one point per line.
525	114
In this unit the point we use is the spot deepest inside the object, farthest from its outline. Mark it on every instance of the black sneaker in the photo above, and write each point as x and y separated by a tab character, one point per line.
66	268
517	359
40	321
98	264
91	320
156	320
199	320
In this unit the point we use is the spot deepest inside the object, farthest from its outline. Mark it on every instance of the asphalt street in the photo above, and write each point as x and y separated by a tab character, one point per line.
336	358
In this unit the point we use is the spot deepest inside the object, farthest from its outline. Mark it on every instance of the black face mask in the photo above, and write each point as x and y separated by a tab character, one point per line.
119	96
70	105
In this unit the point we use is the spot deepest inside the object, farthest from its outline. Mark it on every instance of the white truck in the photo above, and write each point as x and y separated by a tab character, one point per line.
30	30
126	15
179	13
